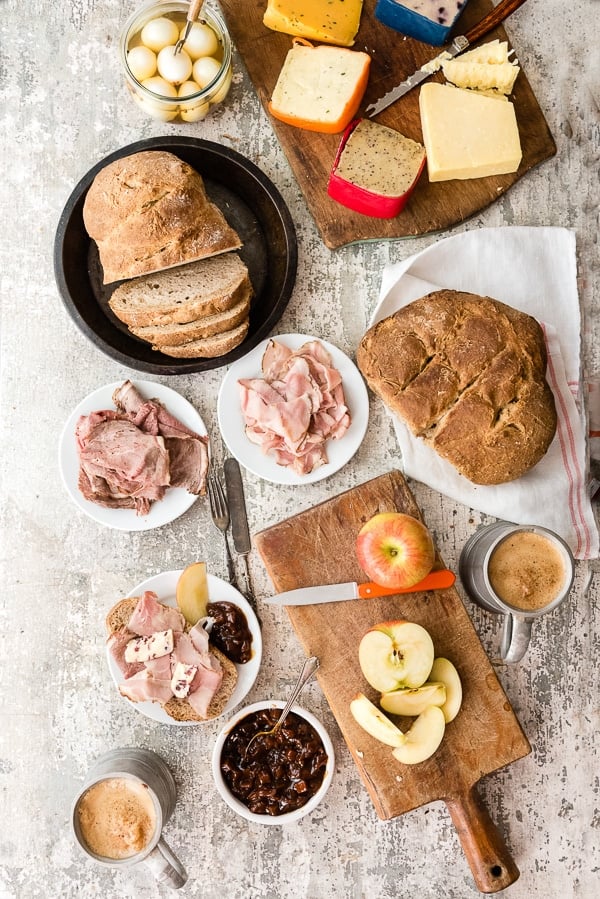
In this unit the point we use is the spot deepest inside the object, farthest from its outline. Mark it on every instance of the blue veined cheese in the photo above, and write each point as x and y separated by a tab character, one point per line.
380	159
467	135
142	649
443	12
328	21
181	679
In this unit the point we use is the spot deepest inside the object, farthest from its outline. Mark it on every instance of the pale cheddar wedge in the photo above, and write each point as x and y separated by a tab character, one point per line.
492	53
320	88
467	135
330	22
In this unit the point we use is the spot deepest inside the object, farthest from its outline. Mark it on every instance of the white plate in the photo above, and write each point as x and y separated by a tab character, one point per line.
231	420
176	500
164	586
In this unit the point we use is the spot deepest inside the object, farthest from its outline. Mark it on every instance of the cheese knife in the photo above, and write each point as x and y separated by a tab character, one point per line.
305	596
460	43
239	519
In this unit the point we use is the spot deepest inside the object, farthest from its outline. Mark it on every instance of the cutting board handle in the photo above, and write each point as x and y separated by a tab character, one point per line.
484	847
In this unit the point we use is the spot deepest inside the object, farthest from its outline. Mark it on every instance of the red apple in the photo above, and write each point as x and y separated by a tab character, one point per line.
395	550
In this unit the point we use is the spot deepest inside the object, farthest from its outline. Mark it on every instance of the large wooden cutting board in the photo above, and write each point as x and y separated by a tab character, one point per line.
317	547
433	207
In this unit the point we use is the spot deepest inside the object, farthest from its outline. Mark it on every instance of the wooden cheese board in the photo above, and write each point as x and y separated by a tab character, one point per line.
317	547
432	207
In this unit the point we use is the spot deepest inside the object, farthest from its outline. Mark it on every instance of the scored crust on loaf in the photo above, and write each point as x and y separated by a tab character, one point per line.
183	294
209	325
208	347
179	709
467	374
149	211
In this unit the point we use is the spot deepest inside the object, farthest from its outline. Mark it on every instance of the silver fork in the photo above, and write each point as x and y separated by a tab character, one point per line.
220	516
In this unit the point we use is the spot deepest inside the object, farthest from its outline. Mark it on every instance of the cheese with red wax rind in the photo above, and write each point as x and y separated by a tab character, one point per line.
330	22
380	159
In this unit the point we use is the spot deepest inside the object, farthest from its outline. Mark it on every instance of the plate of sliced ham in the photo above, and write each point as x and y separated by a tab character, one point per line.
157	598
134	456
294	410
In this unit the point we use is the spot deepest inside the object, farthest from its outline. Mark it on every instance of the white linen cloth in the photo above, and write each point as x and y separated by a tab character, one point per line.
534	270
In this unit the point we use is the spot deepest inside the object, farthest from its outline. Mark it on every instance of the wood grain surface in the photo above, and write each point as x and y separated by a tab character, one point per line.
317	547
432	207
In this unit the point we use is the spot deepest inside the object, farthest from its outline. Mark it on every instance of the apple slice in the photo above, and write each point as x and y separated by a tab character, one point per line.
444	671
375	722
413	701
423	738
395	550
191	592
396	654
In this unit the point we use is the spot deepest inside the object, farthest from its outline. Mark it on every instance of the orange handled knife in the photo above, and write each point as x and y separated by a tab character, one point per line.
305	596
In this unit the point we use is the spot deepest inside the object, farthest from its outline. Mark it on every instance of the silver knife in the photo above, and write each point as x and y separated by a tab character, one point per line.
306	596
497	15
239	519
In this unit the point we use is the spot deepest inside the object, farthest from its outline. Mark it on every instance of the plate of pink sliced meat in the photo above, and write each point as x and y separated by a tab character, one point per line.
294	410
134	456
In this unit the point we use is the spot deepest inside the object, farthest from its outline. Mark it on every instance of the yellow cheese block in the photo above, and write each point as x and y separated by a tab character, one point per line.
467	135
327	21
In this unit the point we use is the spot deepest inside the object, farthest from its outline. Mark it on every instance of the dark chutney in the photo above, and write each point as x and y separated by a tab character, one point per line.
230	632
281	771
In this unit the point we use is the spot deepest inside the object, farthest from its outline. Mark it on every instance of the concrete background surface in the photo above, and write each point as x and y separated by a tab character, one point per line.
63	107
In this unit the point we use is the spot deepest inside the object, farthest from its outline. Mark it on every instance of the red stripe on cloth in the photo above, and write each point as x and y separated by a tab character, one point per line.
572	467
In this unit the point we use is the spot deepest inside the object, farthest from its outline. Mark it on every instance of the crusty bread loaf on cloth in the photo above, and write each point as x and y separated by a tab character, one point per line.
467	374
149	211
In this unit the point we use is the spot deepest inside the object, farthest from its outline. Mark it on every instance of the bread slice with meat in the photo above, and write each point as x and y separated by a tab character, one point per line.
117	620
149	211
183	294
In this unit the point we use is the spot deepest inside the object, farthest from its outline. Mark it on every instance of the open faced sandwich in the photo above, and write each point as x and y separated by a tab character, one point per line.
163	659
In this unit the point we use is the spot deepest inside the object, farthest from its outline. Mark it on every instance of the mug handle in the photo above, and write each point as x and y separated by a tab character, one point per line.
516	634
165	866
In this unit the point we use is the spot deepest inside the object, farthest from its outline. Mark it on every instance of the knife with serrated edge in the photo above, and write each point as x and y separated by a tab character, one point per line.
460	43
305	596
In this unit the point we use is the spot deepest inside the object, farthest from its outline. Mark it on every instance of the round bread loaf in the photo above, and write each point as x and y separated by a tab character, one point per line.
149	211
467	374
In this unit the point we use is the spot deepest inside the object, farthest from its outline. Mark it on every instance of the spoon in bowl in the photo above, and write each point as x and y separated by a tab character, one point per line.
308	669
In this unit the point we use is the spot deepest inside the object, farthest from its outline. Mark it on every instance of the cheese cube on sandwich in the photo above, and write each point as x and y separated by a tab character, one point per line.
320	88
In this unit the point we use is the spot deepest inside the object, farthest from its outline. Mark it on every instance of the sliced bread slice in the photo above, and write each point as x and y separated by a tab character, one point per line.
182	294
208	347
206	326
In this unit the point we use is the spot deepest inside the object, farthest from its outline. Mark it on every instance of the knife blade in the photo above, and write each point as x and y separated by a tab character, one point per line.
460	43
239	519
435	580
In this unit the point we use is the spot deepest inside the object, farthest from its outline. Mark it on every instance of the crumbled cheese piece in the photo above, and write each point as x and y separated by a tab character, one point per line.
434	65
181	679
142	649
